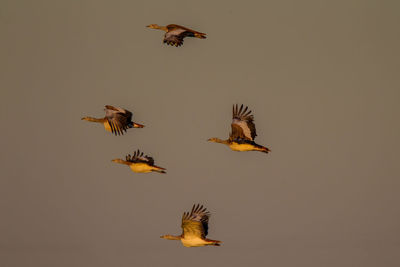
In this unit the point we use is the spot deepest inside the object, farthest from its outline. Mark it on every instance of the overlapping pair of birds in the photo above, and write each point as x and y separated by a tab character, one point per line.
241	138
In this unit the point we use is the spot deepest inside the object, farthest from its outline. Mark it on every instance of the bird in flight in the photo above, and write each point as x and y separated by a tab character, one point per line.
174	34
243	132
117	120
194	229
140	163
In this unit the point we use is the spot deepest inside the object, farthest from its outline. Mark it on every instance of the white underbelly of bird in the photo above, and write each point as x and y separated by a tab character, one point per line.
141	167
241	147
193	242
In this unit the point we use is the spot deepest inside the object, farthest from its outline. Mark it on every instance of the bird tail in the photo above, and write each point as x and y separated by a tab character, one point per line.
159	169
200	35
263	149
137	125
214	242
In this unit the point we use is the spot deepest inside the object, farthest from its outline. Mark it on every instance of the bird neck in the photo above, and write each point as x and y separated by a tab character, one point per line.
217	140
120	161
93	119
163	28
172	237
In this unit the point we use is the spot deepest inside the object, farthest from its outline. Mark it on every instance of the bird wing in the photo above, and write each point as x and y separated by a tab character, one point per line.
237	132
242	125
171	27
195	223
119	119
139	157
174	37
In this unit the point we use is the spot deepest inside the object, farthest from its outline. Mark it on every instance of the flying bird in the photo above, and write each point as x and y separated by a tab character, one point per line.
140	163
243	132
117	120
194	229
174	34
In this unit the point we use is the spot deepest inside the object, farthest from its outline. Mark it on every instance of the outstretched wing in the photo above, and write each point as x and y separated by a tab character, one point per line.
242	125
174	37
119	119
188	32
195	223
139	157
177	33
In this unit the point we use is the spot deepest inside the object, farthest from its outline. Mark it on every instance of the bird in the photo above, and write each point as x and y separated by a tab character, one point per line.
194	229
174	34
116	121
243	132
140	163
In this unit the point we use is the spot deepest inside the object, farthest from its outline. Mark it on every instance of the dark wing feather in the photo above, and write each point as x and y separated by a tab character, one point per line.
139	157
177	33
188	31
119	119
242	125
236	133
174	38
195	223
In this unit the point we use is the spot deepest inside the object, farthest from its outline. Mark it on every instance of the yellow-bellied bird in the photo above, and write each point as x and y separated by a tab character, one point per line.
117	120
243	132
140	163
194	229
174	34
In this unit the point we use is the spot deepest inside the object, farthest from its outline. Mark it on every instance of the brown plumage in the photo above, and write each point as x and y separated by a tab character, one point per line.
174	34
243	132
140	163
117	120
138	157
242	125
194	228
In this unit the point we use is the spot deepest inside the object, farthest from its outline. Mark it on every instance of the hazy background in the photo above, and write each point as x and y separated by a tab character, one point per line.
322	78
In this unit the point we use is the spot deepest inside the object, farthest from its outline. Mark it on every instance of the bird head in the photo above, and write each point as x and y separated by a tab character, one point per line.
153	26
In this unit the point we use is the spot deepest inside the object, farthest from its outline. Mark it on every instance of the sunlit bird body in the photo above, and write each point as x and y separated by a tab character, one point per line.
243	132
194	229
140	163
116	121
174	34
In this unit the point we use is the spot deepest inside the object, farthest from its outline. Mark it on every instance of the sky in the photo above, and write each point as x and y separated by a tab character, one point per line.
321	78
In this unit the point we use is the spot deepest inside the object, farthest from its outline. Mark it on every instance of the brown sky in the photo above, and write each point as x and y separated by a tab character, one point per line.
322	78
